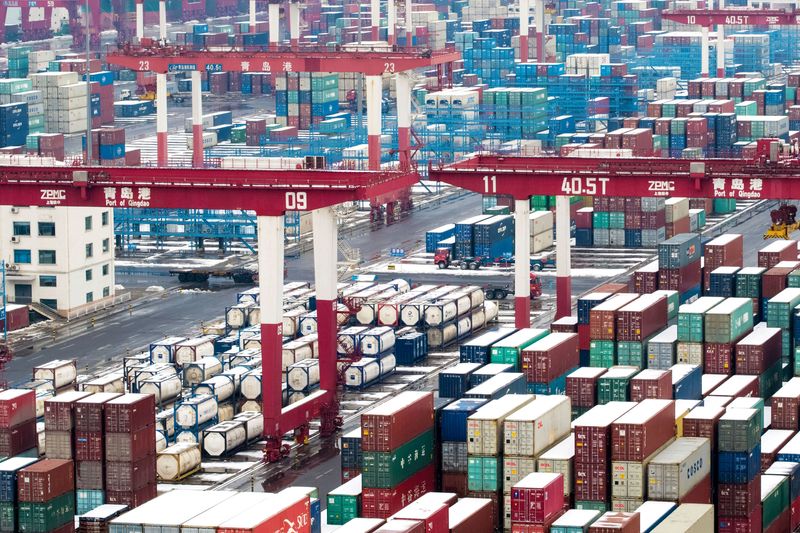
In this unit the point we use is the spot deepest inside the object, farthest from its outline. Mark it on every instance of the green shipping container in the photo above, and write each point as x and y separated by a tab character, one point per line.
723	206
614	384
44	517
771	380
586	505
344	503
748	282
673	302
239	134
774	498
616	220
730	320
602	353
506	351
739	430
383	470
632	353
89	499
484	473
780	307
691	319
793	280
601	220
8	517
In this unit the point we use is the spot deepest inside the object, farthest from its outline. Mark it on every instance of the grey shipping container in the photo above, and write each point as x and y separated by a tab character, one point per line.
678	468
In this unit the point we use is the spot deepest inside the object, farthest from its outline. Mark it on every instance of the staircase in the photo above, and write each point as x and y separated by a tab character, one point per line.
45	311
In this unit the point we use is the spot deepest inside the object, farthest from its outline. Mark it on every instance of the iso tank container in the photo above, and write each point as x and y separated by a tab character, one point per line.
537	426
163	388
177	461
194	349
60	373
196	410
389	309
250	387
367	314
222	387
164	351
253	424
367	371
446	334
303	376
688	518
412	313
387	426
376	341
550	357
485	427
224	438
198	371
677	469
348	340
644	429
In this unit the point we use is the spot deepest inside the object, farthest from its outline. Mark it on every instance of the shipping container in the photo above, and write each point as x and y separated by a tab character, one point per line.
642	430
507	350
739	430
758	351
485	427
593	432
478	350
676	470
550	357
454	381
688	518
389	425
387	469
537	426
582	386
537	498
499	386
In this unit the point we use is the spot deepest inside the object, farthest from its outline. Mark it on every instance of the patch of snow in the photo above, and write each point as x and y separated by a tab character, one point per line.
192	291
119	287
154	288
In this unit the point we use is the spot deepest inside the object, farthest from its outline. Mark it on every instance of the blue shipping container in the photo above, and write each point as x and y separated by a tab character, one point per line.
441	233
411	348
740	467
687	385
499	385
453	419
477	350
454	381
679	251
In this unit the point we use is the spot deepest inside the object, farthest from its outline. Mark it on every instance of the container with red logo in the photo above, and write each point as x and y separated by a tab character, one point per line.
786	407
582	386
616	523
758	351
777	251
382	503
651	383
641	318
386	427
550	357
16	406
434	515
642	430
284	512
537	498
129	413
603	317
59	412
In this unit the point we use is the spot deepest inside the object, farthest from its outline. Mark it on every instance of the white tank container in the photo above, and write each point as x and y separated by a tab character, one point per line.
196	410
164	388
189	436
377	341
108	383
308	323
252	343
199	371
251	405
464	302
163	351
294	351
41	397
237	373
60	372
441	311
476	295
151	371
412	313
194	349
367	315
491	310
291	321
161	440
236	316
251	385
165	420
253	424
224	438
178	460
295	397
303	375
442	335
478	318
362	373
254	316
226	412
388	364
347	340
222	387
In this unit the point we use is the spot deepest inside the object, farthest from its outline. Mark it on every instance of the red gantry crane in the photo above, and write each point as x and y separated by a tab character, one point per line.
768	176
270	193
40	29
373	61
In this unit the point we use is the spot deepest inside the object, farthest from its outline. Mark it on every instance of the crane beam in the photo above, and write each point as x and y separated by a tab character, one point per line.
733	17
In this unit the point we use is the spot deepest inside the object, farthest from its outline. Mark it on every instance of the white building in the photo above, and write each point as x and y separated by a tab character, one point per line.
62	257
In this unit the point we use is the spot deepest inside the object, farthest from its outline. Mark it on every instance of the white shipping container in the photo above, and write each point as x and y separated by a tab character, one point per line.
537	426
653	512
209	520
222	387
175	462
515	469
196	410
678	468
485	426
629	478
559	460
209	140
303	375
541	241
169	510
688	518
541	222
224	438
676	209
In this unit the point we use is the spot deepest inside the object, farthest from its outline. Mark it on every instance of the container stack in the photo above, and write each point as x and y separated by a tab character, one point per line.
780	314
691	329
536	501
402	427
13	124
352	457
679	265
516	113
507	350
593	455
46	493
528	432
547	362
9	502
453	435
485	440
603	329
129	449
637	437
493	238
582	389
681	473
17	422
90	450
628	222
723	251
738	471
304	99
748	285
344	502
725	324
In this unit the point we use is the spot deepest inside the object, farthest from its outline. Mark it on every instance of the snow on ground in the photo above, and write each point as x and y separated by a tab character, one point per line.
419	268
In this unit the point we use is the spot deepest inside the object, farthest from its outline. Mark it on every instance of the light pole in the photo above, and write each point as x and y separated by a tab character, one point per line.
88	87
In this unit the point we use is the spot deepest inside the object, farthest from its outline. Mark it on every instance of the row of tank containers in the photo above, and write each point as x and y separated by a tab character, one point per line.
519	454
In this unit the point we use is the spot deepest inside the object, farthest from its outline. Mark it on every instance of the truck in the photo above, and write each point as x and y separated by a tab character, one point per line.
501	291
443	259
202	275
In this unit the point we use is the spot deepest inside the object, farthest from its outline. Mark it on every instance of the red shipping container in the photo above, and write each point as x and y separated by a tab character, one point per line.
583	218
130	413
435	516
654	219
348	474
592	481
774	281
645	281
66	528
725	250
45	480
718	358
471	515
616	203
616	523
700	493
650	383
112	136
777	251
550	357
59	411
641	318
89	446
758	351
795	521
382	503
702	422
782	523
582	386
536	528
396	422
771	442
133	498
584	336
20	438
786	407
593	435
130	446
16	406
89	475
402	526
495	498
17	316
537	498
131	476
642	430
738	499
602	318
454	482
567	324
680	279
89	411
133	158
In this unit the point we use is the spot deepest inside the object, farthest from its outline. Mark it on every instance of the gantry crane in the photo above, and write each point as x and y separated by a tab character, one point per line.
32	30
774	173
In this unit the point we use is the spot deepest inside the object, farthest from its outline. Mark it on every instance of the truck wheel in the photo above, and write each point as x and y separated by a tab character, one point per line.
501	294
474	266
536	267
183	277
464	265
442	265
490	295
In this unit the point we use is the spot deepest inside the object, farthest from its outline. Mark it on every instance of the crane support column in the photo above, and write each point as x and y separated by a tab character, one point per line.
522	263
197	120
524	18
391	20
270	284
162	20
325	274
704	52
294	24
720	44
139	19
374	119
274	12
161	119
409	23
563	275
404	119
375	19
539	13
251	12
